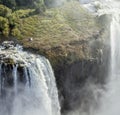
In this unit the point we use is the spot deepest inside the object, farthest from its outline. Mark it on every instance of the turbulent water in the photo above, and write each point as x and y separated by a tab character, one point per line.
27	83
111	98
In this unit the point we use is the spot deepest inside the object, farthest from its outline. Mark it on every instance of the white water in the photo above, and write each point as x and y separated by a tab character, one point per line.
112	97
34	89
110	103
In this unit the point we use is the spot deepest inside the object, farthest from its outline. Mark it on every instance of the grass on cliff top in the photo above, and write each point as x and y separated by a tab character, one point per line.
58	25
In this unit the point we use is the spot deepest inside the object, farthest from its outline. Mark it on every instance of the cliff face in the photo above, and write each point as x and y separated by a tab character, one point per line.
78	81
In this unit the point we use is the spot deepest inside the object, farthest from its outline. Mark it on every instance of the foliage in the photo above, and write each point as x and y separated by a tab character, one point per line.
39	5
15	32
65	22
9	20
23	13
4	26
5	11
12	19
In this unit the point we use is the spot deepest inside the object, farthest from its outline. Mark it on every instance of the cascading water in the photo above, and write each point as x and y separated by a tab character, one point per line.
110	101
27	83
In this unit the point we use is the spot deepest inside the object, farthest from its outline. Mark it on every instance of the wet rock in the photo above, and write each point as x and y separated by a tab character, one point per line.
9	61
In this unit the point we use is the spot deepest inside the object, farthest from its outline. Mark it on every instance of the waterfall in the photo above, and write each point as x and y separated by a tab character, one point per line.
110	101
27	83
115	47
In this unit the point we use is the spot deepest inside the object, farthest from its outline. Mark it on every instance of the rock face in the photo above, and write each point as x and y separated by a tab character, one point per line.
76	81
81	79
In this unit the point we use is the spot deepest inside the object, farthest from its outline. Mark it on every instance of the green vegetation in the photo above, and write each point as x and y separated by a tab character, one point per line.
13	4
59	33
9	20
5	11
14	12
66	22
4	26
11	11
59	25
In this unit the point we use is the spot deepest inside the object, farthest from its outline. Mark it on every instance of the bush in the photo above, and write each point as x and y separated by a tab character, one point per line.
4	26
6	32
5	11
15	32
23	13
12	19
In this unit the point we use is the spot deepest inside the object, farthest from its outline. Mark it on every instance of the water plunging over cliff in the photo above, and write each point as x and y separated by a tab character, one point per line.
111	99
27	83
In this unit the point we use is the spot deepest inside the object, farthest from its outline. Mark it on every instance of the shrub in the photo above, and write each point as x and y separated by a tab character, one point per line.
5	11
6	32
15	32
12	18
4	26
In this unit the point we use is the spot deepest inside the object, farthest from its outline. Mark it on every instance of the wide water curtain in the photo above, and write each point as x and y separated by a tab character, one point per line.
27	83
